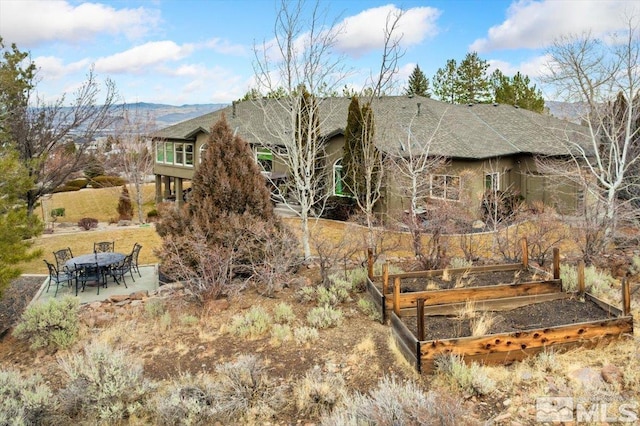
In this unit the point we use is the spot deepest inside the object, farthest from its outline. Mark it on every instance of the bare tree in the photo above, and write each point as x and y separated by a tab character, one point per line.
50	138
298	66
595	72
133	149
366	171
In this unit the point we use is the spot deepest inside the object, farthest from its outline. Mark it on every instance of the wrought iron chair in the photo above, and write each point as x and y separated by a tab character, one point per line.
104	247
119	270
62	256
57	277
89	273
134	258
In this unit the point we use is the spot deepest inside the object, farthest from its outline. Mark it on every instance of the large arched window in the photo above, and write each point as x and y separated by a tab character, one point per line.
338	183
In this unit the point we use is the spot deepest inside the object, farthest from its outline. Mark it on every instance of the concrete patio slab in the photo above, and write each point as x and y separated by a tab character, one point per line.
148	282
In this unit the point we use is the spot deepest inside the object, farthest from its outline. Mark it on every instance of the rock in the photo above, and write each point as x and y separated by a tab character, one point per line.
587	376
102	320
526	375
136	303
122	303
139	295
478	224
506	402
95	305
611	374
117	298
502	417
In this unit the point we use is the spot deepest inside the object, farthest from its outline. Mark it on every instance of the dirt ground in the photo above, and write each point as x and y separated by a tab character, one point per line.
534	316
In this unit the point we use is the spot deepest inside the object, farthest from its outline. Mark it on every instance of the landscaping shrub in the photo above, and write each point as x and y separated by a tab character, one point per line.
335	294
244	393
283	313
369	308
50	324
318	393
596	282
59	212
105	384
471	379
24	400
393	403
66	188
88	223
280	333
324	317
107	181
304	334
253	324
125	207
152	215
78	183
187	401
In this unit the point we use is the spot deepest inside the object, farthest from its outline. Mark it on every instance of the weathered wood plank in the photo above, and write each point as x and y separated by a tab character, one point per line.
502	304
520	340
612	310
457	271
378	299
458	295
406	341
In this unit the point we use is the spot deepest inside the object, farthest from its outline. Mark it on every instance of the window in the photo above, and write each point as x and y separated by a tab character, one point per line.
180	154
445	187
264	158
492	181
168	152
160	152
188	155
203	149
338	179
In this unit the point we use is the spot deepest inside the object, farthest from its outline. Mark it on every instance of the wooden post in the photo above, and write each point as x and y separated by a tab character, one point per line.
626	297
385	278
556	263
420	319
396	296
581	277
370	263
525	253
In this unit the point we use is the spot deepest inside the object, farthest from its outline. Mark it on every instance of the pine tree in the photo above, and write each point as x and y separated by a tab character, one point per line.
418	84
125	207
517	91
445	83
474	84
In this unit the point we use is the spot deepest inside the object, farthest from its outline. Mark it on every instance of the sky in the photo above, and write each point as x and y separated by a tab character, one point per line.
202	51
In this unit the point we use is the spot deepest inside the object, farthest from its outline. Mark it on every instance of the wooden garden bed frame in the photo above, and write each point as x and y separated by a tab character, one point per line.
495	348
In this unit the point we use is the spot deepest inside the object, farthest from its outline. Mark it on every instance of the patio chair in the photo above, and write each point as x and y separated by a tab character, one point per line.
119	270
104	247
57	277
134	258
62	256
89	273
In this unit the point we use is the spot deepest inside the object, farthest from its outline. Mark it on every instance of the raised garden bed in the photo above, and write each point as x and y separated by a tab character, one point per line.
528	316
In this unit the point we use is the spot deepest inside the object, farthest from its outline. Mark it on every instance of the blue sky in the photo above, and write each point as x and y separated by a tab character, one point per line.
201	51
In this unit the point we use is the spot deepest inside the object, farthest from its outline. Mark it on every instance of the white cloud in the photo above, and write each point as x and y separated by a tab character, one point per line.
364	32
535	24
29	23
53	68
225	47
141	57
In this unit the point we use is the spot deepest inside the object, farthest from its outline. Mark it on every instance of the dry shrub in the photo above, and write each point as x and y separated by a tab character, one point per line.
186	401
394	403
317	393
471	379
25	400
244	392
51	324
545	233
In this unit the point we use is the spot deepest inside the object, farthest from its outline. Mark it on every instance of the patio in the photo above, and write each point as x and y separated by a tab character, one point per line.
148	282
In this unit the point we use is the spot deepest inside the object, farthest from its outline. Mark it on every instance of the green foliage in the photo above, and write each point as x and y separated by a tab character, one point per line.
393	402
459	263
358	279
53	323
24	400
283	313
105	384
596	281
338	292
16	226
445	83
88	223
370	309
244	393
324	317
154	308
125	207
517	91
255	323
474	85
59	212
189	320
305	334
418	84
93	167
78	183
471	379
280	333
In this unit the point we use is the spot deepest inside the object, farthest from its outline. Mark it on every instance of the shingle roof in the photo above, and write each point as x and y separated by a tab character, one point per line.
455	131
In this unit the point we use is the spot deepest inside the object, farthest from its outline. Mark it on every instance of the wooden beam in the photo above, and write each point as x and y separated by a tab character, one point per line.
370	263
525	253
626	297
396	296
439	297
420	318
556	263
455	271
385	278
581	278
406	341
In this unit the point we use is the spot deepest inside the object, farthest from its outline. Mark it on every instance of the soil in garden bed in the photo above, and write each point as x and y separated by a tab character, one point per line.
534	316
470	280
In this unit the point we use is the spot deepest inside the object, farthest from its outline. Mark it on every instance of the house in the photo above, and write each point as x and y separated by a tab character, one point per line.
492	145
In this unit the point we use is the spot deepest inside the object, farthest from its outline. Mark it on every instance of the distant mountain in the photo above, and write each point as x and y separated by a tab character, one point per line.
167	115
566	110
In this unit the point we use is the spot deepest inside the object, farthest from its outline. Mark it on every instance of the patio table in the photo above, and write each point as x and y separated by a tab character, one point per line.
103	260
